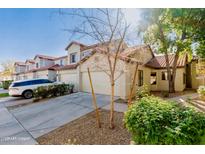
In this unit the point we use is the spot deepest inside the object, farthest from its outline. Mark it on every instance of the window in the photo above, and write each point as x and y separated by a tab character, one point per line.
73	58
61	62
184	78
36	65
140	78
153	80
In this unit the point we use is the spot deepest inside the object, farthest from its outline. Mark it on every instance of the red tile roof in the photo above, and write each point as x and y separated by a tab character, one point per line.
30	61
159	62
102	51
50	67
101	44
20	63
74	42
45	57
68	67
135	49
62	57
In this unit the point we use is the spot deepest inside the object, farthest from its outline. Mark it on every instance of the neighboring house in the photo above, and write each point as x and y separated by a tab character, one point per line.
41	66
19	69
72	68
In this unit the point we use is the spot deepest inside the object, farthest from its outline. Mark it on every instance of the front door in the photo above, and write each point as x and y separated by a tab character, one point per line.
188	76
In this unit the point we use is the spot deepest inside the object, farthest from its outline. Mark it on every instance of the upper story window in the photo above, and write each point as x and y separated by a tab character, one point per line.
37	65
61	62
73	58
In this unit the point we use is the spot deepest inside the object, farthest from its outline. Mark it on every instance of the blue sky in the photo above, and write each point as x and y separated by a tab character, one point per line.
26	32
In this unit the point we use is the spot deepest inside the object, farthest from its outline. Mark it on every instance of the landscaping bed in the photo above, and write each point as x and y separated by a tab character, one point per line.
85	132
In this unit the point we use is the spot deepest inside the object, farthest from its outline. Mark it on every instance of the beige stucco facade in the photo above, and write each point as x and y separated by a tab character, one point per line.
68	76
163	85
99	70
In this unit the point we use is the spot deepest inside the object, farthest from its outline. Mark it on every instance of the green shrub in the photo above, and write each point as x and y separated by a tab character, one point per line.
71	88
50	91
152	120
6	84
142	92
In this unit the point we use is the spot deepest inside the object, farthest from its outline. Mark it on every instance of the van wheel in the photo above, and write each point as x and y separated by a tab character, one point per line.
28	94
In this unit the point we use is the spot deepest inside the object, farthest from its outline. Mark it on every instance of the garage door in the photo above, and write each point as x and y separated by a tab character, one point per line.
101	83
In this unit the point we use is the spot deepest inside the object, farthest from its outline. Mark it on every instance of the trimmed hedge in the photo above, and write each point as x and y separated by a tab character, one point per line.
152	120
6	84
52	91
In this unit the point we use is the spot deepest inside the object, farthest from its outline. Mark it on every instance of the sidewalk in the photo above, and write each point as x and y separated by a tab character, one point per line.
11	131
183	97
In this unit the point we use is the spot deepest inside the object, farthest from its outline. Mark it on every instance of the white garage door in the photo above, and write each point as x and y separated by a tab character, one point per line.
101	83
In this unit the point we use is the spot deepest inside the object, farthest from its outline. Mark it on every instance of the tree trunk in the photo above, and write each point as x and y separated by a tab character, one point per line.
112	105
132	86
94	101
168	72
174	68
166	57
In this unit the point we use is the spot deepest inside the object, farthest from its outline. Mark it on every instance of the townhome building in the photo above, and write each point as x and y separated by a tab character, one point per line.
72	68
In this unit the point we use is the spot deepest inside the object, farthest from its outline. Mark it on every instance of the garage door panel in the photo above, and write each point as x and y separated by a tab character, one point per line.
101	83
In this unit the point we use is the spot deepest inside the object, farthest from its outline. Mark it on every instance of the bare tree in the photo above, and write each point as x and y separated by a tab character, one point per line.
7	67
108	27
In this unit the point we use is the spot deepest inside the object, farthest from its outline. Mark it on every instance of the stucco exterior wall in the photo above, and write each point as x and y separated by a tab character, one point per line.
74	48
43	62
130	70
52	75
41	74
64	61
98	65
162	85
200	81
29	75
29	66
68	76
19	69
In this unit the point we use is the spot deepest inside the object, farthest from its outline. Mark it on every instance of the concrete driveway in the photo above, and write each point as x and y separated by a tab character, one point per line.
40	118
